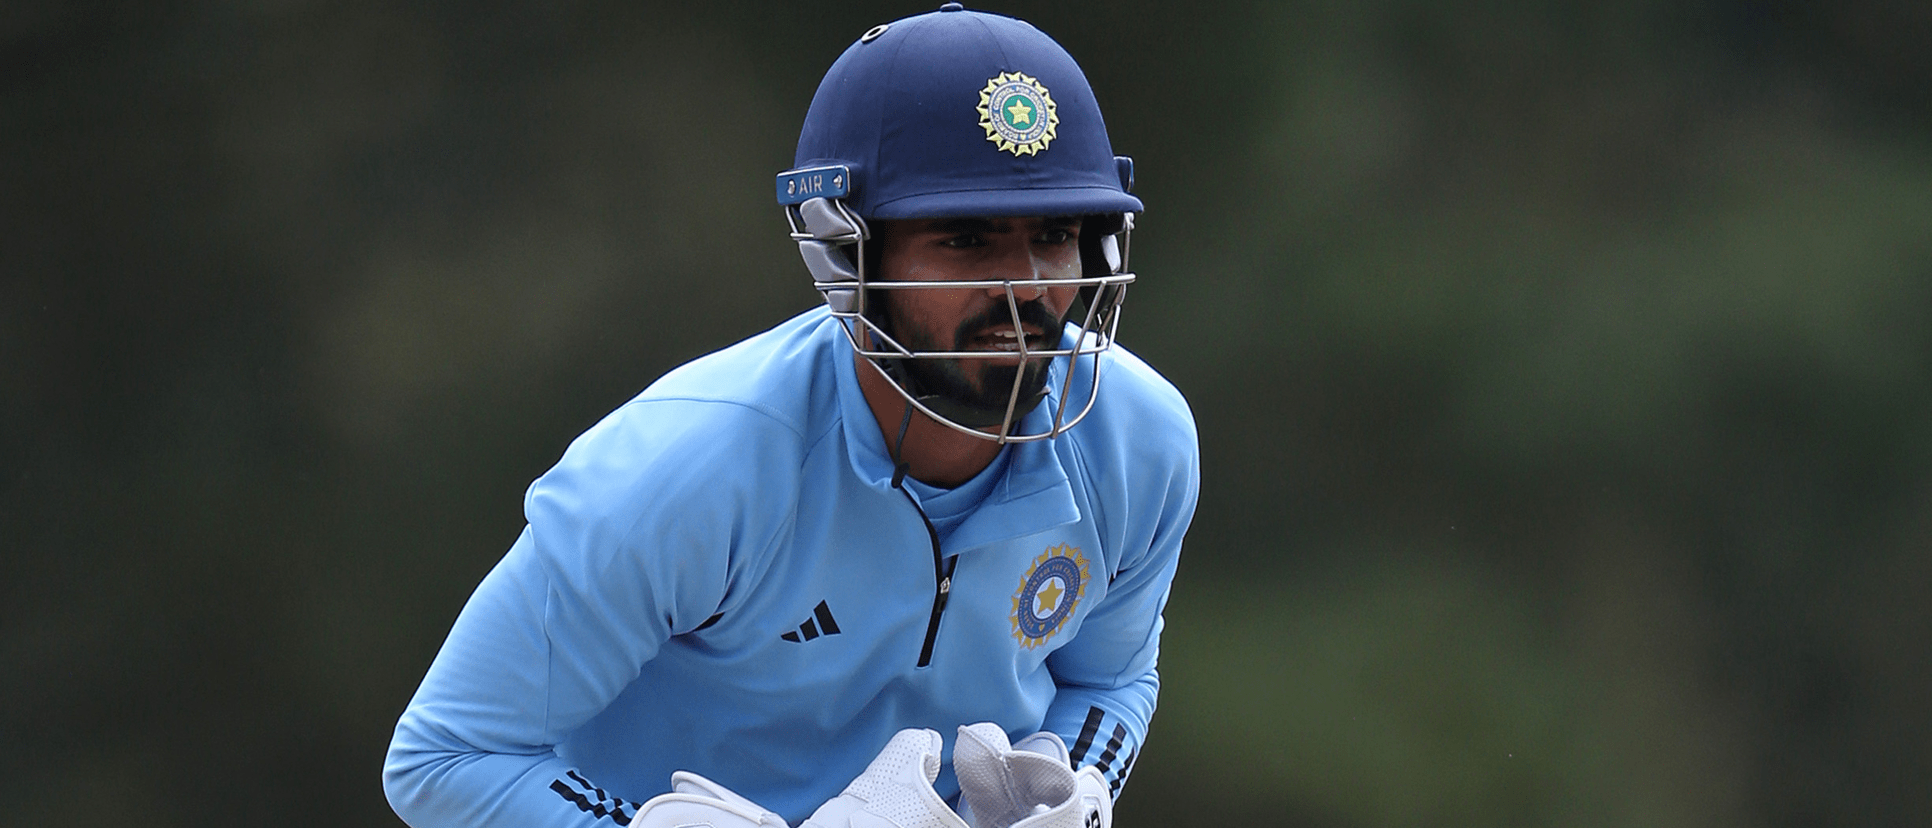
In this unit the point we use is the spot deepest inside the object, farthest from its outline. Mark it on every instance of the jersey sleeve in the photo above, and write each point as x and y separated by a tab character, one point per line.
1107	678
638	534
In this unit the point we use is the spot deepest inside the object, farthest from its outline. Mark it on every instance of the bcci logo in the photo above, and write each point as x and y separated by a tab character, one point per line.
1018	114
1048	595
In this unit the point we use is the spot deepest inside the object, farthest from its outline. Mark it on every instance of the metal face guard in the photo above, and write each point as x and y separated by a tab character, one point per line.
831	239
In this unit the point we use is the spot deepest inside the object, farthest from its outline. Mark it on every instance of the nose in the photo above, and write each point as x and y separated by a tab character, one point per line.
1018	263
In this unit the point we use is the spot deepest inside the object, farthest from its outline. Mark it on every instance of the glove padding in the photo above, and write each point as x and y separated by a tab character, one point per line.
1028	785
695	801
895	791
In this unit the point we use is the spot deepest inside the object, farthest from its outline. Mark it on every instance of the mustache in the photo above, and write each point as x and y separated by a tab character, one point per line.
1032	312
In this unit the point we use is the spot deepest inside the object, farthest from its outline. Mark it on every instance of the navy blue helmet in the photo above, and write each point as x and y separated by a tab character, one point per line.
958	113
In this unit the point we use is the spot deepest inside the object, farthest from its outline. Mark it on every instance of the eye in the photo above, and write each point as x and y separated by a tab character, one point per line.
1058	235
962	241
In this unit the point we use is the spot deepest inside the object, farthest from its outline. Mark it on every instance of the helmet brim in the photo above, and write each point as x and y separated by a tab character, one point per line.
1058	201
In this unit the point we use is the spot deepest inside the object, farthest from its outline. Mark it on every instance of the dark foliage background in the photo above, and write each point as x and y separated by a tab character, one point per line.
1562	371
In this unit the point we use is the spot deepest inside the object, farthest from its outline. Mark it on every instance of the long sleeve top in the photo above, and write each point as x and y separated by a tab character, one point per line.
721	577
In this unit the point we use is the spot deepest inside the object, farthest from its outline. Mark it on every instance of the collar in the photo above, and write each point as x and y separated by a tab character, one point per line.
1033	495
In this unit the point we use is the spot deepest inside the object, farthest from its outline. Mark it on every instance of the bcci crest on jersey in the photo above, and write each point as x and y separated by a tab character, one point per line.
1048	594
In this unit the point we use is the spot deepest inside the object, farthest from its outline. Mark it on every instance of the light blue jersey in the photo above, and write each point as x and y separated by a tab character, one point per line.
720	577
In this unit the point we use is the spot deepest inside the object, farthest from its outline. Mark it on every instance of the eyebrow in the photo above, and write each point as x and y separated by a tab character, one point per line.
992	225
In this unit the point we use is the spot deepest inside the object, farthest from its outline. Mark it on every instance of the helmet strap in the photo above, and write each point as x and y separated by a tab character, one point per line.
899	464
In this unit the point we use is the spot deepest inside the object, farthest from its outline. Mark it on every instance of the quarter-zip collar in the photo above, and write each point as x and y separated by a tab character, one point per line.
1034	496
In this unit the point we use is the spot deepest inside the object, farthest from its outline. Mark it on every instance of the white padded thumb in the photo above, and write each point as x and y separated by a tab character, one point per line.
895	791
695	801
690	783
1096	797
1046	742
1004	787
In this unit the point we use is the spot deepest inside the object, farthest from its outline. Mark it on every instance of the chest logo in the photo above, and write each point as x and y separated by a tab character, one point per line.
1048	594
1018	114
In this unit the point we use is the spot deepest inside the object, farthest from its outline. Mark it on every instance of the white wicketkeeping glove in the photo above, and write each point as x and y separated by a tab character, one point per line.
697	802
895	791
1028	785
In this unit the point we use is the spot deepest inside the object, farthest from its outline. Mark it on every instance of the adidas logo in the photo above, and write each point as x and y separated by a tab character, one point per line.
820	623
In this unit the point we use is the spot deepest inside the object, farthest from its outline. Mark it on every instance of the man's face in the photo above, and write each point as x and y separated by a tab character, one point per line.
1031	252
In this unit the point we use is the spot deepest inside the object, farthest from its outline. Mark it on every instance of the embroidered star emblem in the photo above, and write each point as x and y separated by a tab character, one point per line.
1019	112
1050	595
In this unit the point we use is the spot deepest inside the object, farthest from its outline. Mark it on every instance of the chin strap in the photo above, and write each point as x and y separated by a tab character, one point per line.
899	464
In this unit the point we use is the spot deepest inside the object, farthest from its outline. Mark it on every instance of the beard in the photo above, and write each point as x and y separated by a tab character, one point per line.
988	384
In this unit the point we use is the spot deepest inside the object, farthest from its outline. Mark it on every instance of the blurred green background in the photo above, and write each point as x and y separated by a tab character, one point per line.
1563	370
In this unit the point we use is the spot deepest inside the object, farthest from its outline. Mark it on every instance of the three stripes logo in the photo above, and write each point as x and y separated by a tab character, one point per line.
1090	729
592	800
820	623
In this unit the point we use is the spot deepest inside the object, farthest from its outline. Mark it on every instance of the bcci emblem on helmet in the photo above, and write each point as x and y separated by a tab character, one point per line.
1048	595
1018	114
